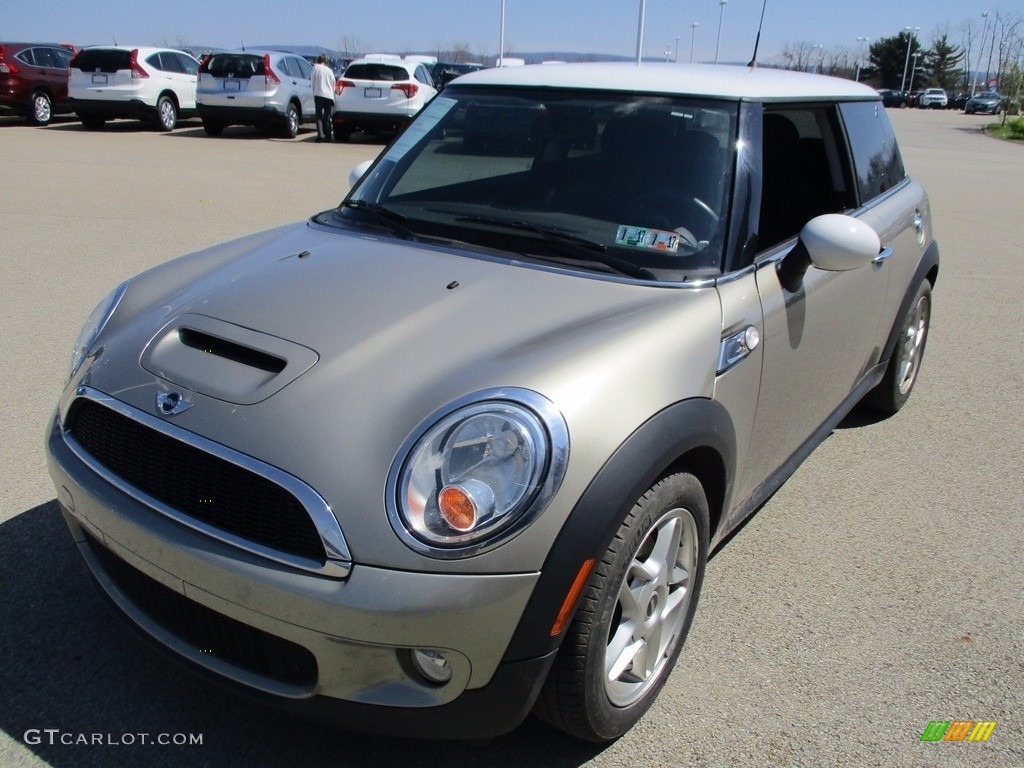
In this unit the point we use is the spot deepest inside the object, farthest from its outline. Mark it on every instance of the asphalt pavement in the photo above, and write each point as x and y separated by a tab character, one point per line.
881	589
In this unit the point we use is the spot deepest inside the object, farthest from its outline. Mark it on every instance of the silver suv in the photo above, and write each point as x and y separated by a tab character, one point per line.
267	89
459	449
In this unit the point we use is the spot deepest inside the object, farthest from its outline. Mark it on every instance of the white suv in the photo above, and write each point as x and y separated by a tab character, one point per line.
157	84
380	94
934	97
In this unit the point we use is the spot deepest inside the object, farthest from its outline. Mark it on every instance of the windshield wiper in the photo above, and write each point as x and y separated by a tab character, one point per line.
569	246
392	220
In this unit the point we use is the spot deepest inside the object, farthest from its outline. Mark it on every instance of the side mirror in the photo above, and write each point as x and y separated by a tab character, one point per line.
839	243
833	242
357	172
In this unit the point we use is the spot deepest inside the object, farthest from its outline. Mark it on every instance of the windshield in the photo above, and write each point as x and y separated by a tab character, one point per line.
614	182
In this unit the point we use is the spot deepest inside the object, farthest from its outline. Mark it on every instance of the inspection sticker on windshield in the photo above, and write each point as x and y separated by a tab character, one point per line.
649	239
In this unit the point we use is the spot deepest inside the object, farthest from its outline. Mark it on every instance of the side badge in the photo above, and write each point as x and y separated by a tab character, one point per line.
171	403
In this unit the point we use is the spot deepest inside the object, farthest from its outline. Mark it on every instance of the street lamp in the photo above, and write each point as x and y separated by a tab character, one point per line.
910	39
640	34
981	52
501	37
721	18
912	73
821	55
860	55
693	35
675	59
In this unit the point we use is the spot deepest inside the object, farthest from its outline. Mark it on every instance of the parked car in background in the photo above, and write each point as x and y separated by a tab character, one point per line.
380	94
933	98
958	100
153	84
913	98
891	98
458	449
989	103
443	72
266	89
34	79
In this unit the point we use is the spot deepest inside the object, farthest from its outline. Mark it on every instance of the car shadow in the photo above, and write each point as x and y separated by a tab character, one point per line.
76	684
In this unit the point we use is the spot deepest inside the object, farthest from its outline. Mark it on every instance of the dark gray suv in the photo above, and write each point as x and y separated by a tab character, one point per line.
458	449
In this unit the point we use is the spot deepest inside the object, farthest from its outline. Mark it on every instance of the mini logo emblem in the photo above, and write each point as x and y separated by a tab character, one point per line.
171	403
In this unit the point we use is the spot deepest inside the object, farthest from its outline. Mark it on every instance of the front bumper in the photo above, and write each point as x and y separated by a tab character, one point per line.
325	647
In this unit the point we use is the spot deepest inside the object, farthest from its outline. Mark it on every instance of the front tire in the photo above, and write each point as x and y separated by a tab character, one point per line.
166	113
42	108
633	616
896	385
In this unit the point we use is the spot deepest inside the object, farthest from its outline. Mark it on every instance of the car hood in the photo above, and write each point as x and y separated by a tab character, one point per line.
322	353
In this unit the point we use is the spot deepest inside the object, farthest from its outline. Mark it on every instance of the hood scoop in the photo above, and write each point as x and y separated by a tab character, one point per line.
224	360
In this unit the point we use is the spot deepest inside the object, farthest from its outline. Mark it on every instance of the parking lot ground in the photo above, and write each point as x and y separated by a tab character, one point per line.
881	589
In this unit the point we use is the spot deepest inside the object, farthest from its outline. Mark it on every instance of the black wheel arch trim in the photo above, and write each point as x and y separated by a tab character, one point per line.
693	435
927	269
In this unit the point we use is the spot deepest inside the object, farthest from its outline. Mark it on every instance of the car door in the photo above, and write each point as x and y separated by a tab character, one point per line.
822	330
304	89
174	71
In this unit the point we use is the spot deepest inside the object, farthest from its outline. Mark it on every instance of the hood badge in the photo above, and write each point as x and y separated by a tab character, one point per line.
171	403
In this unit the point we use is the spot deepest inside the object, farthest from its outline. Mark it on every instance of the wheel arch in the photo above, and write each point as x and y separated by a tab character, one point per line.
695	436
927	269
171	95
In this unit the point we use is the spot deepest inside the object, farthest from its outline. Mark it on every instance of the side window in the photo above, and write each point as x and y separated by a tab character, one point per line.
423	76
28	56
305	70
44	58
803	172
876	155
63	57
157	61
188	65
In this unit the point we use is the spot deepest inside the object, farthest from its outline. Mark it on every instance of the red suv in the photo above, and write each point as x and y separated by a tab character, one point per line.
34	79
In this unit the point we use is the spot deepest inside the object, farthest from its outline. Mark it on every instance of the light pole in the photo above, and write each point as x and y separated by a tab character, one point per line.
981	52
821	55
912	73
693	36
640	34
860	55
910	39
501	37
721	18
675	59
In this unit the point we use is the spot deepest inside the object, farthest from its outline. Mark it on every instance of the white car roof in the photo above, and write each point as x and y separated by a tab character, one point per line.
714	80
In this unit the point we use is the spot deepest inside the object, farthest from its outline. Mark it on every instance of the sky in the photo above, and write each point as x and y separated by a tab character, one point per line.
422	26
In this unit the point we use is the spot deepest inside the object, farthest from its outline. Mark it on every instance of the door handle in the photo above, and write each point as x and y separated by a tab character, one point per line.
882	257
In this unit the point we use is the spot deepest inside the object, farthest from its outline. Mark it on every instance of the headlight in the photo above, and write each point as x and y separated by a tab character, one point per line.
477	472
94	325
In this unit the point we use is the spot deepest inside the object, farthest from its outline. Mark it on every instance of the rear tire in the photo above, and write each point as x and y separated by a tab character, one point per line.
166	113
633	617
897	384
42	108
291	121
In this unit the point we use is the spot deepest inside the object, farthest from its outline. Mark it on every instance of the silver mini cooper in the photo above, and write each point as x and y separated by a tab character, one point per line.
457	450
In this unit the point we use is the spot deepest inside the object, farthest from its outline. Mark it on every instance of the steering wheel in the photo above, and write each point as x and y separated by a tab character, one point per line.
666	209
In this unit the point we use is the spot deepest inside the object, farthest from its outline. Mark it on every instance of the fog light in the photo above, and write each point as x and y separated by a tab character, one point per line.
431	665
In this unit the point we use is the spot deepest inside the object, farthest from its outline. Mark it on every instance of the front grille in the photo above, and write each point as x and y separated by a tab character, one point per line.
194	482
205	629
